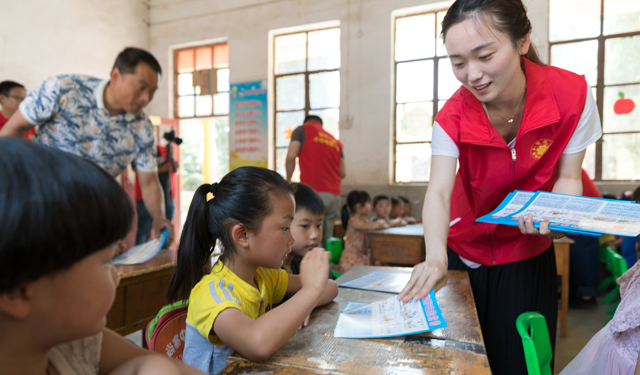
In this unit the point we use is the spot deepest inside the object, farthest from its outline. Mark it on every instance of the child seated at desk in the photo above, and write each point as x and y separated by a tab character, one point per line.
381	209
306	227
249	213
354	221
61	218
406	215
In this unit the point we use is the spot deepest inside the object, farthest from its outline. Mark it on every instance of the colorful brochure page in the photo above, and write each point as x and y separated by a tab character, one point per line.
390	317
143	252
379	281
571	214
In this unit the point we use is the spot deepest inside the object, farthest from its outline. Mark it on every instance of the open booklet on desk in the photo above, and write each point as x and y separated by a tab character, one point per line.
379	281
143	252
389	317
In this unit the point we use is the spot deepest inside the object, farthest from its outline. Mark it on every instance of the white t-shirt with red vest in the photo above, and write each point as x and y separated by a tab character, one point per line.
559	118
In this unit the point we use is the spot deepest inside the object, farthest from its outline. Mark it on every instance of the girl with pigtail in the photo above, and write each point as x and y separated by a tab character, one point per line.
230	309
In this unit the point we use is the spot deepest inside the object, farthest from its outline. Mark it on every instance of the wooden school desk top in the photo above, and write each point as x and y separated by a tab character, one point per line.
163	260
457	349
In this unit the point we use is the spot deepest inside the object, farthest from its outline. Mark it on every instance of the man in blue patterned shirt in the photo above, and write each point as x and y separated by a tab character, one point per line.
102	121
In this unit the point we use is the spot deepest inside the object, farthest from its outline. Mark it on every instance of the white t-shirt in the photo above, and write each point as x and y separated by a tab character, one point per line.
587	132
79	357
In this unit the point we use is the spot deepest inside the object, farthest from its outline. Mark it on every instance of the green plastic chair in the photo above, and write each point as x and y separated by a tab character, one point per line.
334	246
618	267
607	254
532	327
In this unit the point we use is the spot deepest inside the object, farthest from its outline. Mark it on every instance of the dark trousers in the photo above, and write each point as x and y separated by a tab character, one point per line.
501	294
145	220
584	266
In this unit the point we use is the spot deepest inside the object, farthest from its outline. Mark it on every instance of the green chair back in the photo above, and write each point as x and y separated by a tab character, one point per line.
334	246
618	263
532	327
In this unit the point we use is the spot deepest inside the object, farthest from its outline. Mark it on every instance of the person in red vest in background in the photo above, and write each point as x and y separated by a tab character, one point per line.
322	167
11	94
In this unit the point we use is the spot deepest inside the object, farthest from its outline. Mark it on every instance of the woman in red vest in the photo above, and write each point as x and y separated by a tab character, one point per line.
514	124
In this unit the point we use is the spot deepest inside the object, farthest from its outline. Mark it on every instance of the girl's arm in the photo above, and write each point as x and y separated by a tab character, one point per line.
120	356
365	224
258	339
432	273
330	290
569	182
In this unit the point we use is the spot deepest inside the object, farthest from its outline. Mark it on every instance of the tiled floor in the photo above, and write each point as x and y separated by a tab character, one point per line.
582	324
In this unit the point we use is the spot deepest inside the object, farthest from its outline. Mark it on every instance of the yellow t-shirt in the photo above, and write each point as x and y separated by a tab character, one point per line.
222	289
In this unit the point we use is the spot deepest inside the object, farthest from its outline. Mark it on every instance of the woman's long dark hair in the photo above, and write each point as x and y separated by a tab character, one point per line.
243	196
507	16
55	209
355	197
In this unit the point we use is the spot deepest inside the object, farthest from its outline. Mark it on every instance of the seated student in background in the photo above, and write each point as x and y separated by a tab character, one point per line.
306	227
61	217
397	209
406	204
11	95
356	225
230	309
615	349
381	207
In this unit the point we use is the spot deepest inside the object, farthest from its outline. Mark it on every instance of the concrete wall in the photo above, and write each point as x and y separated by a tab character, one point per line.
41	38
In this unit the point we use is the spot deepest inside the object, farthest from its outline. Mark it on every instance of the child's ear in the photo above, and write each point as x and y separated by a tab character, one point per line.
16	303
240	235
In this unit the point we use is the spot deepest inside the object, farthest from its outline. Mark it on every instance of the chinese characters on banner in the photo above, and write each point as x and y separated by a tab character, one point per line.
248	125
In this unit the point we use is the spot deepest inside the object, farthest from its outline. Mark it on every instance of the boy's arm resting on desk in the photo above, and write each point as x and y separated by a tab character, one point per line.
17	126
258	339
120	356
368	224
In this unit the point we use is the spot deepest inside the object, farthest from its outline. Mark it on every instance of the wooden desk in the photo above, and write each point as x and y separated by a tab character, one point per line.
256	368
456	350
562	268
141	293
401	245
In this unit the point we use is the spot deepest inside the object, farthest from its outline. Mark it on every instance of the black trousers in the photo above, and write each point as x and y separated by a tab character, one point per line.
501	294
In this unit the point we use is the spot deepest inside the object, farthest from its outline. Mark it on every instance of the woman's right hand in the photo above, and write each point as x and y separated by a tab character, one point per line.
430	274
314	269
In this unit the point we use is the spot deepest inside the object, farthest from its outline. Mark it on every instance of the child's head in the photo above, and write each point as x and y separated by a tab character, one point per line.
397	208
406	204
358	202
381	206
307	222
61	217
250	209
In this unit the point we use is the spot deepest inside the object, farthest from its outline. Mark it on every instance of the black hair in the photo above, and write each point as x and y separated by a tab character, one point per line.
307	198
55	209
395	202
636	195
7	86
404	199
312	118
378	198
355	197
243	196
129	59
507	16
608	195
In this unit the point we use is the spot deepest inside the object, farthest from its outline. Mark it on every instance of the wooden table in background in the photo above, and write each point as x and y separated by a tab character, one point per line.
401	245
141	293
458	349
562	268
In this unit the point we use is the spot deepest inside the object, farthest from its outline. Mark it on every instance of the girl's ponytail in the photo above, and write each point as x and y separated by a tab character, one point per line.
345	216
195	248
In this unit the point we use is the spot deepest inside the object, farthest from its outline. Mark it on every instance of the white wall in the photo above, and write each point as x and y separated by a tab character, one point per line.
366	58
41	38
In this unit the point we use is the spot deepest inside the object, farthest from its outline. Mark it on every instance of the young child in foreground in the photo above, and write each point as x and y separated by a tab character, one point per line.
356	224
61	217
615	349
250	213
382	209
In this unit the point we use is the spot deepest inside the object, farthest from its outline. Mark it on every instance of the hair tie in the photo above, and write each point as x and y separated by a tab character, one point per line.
213	188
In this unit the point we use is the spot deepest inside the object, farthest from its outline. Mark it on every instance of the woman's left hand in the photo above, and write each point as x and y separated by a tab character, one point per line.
526	227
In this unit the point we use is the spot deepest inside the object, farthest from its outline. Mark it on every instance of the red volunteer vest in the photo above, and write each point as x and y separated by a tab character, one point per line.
489	169
319	160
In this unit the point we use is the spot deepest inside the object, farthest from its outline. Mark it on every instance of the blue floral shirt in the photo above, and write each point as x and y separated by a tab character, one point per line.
69	114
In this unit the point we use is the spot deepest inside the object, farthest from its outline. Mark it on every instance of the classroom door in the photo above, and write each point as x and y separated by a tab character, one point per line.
204	155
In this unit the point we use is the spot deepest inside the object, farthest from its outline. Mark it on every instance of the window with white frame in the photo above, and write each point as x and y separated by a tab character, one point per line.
601	39
306	72
423	80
